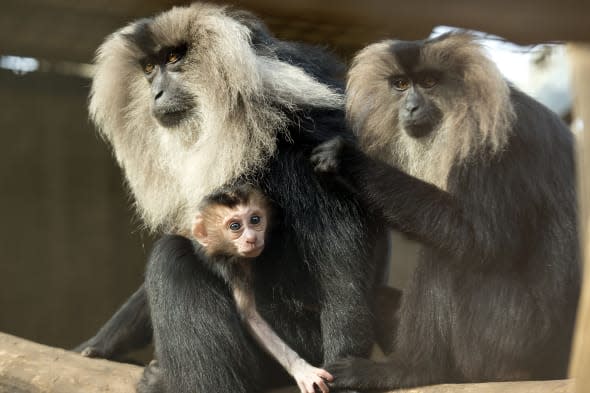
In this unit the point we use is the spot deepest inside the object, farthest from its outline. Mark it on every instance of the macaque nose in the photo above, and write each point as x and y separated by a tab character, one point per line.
250	237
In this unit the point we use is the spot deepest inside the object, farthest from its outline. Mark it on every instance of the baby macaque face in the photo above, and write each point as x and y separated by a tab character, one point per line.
244	226
237	230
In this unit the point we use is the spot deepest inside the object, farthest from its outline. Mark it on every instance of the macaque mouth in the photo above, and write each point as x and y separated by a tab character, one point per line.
254	251
419	129
422	122
171	113
173	117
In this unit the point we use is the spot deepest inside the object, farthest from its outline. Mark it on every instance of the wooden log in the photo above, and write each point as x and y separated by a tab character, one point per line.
27	367
561	386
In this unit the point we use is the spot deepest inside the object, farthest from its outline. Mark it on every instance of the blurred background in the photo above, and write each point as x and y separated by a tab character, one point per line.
71	249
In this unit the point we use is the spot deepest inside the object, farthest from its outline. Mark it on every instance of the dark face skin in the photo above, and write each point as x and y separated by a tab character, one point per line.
171	101
418	115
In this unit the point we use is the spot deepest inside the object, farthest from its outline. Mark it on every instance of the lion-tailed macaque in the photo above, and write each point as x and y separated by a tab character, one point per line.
482	176
198	97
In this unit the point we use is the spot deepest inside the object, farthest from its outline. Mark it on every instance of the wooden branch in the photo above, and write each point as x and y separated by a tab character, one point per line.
27	367
561	386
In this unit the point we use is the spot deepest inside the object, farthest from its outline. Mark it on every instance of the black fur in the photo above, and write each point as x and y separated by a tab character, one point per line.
407	54
495	291
314	280
313	285
311	256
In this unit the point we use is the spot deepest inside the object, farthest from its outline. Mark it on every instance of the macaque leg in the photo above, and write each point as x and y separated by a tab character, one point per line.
129	329
306	376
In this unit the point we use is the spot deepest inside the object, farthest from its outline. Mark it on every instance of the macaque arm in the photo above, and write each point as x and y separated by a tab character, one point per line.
304	374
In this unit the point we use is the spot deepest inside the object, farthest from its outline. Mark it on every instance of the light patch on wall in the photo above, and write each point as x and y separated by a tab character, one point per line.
19	65
542	70
578	125
23	65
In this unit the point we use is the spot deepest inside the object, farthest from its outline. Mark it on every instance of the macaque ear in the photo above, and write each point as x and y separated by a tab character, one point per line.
199	230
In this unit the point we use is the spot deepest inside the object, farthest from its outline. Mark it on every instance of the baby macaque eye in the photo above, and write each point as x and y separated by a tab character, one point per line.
255	220
235	226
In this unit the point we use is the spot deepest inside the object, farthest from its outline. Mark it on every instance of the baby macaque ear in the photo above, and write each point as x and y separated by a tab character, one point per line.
199	230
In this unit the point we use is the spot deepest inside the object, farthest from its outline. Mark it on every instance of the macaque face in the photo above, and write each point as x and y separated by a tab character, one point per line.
245	226
238	231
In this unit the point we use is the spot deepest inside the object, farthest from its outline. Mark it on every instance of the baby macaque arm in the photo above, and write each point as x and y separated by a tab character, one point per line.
304	374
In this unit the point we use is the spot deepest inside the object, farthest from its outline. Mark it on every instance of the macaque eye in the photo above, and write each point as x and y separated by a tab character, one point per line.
173	57
428	81
235	226
255	220
148	68
400	83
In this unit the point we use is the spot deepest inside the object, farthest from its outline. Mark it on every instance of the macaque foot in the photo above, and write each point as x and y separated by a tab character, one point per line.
93	352
351	373
151	380
92	349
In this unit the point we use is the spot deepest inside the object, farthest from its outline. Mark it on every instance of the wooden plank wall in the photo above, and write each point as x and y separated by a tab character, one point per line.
71	249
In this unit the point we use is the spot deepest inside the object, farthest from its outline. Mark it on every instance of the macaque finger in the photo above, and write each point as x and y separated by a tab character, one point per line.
310	386
302	387
324	374
321	384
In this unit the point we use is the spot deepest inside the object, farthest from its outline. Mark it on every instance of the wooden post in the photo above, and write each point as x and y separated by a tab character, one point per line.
580	62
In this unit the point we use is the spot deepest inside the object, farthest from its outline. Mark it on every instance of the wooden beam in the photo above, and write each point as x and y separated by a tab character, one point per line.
524	21
69	30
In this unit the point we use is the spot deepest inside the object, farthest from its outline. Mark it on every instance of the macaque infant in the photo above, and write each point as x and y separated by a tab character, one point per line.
231	227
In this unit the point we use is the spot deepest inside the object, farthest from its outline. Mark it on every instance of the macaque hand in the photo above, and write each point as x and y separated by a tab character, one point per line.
309	378
326	158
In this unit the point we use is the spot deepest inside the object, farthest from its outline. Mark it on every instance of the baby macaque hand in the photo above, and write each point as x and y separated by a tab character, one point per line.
309	378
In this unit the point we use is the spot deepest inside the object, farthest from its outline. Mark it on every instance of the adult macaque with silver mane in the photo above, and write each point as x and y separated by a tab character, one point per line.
231	229
198	97
483	177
